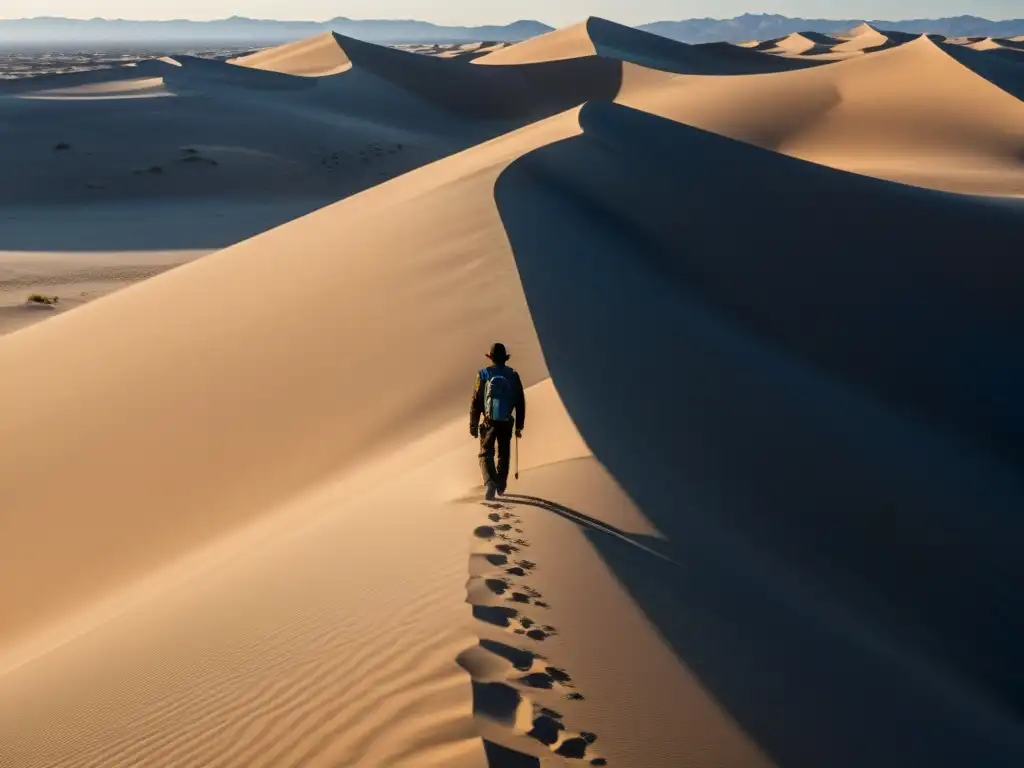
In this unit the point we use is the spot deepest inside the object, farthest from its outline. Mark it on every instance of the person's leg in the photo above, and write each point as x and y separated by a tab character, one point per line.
503	437
488	436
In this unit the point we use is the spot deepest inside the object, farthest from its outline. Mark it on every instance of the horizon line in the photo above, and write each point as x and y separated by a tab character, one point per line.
507	24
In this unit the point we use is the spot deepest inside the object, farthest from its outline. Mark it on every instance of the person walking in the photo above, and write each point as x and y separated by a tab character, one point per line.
498	393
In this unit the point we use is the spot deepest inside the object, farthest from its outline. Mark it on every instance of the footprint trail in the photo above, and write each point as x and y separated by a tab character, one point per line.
508	675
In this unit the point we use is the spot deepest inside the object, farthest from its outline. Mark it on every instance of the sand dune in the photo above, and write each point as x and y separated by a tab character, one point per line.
242	519
800	44
263	146
957	129
738	304
867	39
520	93
217	161
992	44
437	227
316	56
605	39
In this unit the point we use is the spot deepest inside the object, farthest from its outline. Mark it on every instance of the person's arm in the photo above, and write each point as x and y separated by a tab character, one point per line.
476	406
520	405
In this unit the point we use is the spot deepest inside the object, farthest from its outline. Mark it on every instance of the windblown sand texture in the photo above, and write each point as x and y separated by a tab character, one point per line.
769	317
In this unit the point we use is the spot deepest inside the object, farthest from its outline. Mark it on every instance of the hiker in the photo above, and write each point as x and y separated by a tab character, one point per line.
497	393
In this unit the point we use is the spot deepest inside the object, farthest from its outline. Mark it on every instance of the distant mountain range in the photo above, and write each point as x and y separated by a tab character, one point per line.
769	26
43	30
239	30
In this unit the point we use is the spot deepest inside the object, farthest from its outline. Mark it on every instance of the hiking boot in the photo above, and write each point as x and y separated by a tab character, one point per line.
491	491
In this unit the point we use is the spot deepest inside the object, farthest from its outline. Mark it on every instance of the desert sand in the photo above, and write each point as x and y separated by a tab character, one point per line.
769	492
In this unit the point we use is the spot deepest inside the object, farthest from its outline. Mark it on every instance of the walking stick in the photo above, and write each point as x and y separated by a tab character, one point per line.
517	457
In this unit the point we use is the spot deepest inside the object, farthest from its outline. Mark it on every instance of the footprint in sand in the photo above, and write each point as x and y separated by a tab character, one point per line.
502	703
502	700
551	732
519	658
498	586
538	633
547	680
520	594
526	596
521	568
509	618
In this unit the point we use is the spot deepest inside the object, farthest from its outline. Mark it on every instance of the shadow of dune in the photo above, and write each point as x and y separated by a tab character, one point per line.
520	92
650	50
1004	72
196	71
603	39
832	444
733	60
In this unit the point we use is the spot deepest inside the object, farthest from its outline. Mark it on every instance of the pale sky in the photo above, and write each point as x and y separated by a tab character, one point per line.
471	12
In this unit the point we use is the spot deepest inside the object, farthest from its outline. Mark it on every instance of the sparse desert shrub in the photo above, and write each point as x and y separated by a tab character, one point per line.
39	298
155	169
197	159
62	146
190	151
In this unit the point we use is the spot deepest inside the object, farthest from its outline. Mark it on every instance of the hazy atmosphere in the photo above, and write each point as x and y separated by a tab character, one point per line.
469	12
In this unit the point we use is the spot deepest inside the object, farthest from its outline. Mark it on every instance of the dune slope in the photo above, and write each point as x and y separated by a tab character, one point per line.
867	39
959	128
267	573
315	56
801	44
208	153
606	39
828	386
514	93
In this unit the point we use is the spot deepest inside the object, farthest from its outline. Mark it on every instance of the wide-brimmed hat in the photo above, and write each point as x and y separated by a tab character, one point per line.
498	353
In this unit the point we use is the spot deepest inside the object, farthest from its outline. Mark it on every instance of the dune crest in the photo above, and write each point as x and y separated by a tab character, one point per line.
313	57
600	38
802	44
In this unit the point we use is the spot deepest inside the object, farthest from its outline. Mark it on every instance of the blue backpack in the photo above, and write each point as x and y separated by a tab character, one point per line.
499	394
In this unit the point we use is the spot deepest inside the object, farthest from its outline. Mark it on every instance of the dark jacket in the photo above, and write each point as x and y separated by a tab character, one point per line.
476	408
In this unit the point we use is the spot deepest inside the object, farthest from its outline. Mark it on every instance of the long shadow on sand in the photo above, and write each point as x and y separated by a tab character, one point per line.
591	523
832	444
